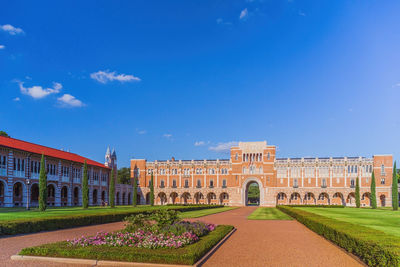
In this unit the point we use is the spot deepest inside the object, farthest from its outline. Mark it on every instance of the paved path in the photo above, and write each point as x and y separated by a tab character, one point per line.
273	243
255	243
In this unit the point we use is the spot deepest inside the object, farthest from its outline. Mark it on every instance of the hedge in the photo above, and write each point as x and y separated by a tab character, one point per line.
317	206
374	247
186	255
34	225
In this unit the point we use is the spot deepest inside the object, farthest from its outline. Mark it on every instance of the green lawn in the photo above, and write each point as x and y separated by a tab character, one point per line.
268	214
201	213
8	214
385	220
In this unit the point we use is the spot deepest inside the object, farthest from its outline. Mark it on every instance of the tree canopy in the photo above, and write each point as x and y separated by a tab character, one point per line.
3	133
124	176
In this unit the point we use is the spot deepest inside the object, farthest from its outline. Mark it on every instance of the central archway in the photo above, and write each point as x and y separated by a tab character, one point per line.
252	192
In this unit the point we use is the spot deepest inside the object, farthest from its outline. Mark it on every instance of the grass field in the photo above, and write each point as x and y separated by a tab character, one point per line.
385	220
201	213
8	214
268	214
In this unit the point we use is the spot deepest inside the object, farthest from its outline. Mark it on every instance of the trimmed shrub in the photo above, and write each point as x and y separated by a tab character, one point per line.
85	187
373	191
395	189
111	193
185	255
374	247
152	190
315	206
42	186
24	226
357	193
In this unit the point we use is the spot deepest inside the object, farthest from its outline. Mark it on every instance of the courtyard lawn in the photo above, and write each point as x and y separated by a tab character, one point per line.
268	214
385	220
11	214
201	213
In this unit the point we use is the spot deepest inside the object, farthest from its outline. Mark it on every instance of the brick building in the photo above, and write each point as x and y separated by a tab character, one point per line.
19	176
328	180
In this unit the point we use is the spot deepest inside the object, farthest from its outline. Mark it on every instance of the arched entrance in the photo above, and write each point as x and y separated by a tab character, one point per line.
252	193
17	194
94	197
64	196
51	195
35	195
76	196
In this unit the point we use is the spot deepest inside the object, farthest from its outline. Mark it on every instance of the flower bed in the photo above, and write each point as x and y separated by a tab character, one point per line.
159	237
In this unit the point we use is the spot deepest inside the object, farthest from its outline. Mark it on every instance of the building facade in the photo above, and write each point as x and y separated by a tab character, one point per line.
325	181
19	176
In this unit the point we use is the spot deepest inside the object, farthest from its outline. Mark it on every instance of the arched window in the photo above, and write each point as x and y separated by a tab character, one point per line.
174	183
211	183
162	184
223	183
198	183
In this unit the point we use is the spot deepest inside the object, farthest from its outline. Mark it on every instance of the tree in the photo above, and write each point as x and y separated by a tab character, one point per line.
134	201
152	190
395	189
373	191
85	187
42	186
357	193
3	133
112	189
124	176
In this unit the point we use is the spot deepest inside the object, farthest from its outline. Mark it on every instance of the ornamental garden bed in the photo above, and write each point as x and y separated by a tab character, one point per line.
42	221
374	247
153	238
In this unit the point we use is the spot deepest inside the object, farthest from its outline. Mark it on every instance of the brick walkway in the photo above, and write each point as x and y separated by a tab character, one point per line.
255	243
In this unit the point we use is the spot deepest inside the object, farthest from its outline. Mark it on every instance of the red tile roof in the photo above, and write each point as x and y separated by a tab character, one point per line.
47	151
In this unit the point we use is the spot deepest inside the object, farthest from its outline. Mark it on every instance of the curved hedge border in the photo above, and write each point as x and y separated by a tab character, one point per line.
374	247
316	206
58	222
185	255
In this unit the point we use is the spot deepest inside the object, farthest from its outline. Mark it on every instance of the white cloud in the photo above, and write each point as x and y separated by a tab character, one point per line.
396	85
301	13
68	100
2	46
223	147
11	29
142	132
17	99
105	76
168	136
244	14
38	92
199	143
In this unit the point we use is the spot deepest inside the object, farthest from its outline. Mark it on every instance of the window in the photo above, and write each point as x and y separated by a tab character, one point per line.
281	172
324	171
295	183
199	171
324	182
224	171
174	183
198	183
236	156
149	171
382	180
309	171
3	162
352	184
186	183
383	169
162	171
162	185
211	171
268	156
211	183
321	197
174	171
224	183
295	171
281	181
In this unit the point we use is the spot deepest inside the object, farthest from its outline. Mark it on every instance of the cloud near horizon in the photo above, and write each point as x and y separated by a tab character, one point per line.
11	29
105	76
38	92
223	147
2	46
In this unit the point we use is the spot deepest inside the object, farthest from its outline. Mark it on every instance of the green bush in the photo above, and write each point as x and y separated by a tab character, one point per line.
185	255
61	222
374	247
316	206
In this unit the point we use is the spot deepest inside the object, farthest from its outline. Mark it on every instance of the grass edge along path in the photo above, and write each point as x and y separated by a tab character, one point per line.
33	225
205	212
266	213
185	255
374	247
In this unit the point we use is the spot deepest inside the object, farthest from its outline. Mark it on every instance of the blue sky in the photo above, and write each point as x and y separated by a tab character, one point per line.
157	79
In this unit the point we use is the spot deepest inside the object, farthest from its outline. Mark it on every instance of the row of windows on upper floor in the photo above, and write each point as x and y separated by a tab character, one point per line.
186	171
186	183
324	182
295	171
252	157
